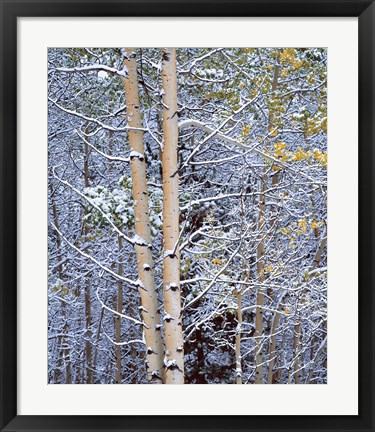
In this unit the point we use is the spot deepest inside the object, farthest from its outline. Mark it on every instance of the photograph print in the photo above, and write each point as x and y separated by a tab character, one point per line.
187	215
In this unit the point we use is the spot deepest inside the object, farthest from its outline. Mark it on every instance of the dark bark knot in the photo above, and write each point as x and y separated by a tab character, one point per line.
166	56
172	286
138	156
155	376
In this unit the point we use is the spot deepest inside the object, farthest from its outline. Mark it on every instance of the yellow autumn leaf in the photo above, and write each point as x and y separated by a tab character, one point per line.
280	145
300	155
302	224
279	149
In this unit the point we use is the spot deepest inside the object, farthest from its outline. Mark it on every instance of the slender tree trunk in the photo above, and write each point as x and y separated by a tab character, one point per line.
275	80
238	339
110	150
319	252
88	321
98	333
174	358
314	264
118	374
273	220
201	379
316	357
273	352
239	322
281	357
148	294
64	353
260	296
296	349
88	316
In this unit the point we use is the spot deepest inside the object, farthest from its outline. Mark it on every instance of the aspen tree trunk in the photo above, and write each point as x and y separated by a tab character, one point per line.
275	181
315	263
98	333
296	349
239	326
201	379
118	374
110	147
275	81
317	354
273	352
174	358
319	252
282	357
148	294
62	341
260	296
79	372
238	339
88	321
88	316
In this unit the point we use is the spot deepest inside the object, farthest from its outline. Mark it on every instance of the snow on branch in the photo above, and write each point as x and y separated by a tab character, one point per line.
91	258
94	120
214	133
135	321
124	343
91	202
107	156
96	67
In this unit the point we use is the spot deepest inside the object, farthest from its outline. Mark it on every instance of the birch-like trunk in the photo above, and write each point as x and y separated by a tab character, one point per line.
62	341
273	220
88	315
297	326
148	294
260	296
273	353
315	263
238	339
296	353
174	356
118	373
98	333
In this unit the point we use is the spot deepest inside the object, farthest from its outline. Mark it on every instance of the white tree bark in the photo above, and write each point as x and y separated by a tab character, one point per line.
150	312
260	295
174	356
238	339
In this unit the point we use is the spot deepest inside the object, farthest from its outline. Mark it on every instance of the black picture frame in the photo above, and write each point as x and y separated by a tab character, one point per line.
10	10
